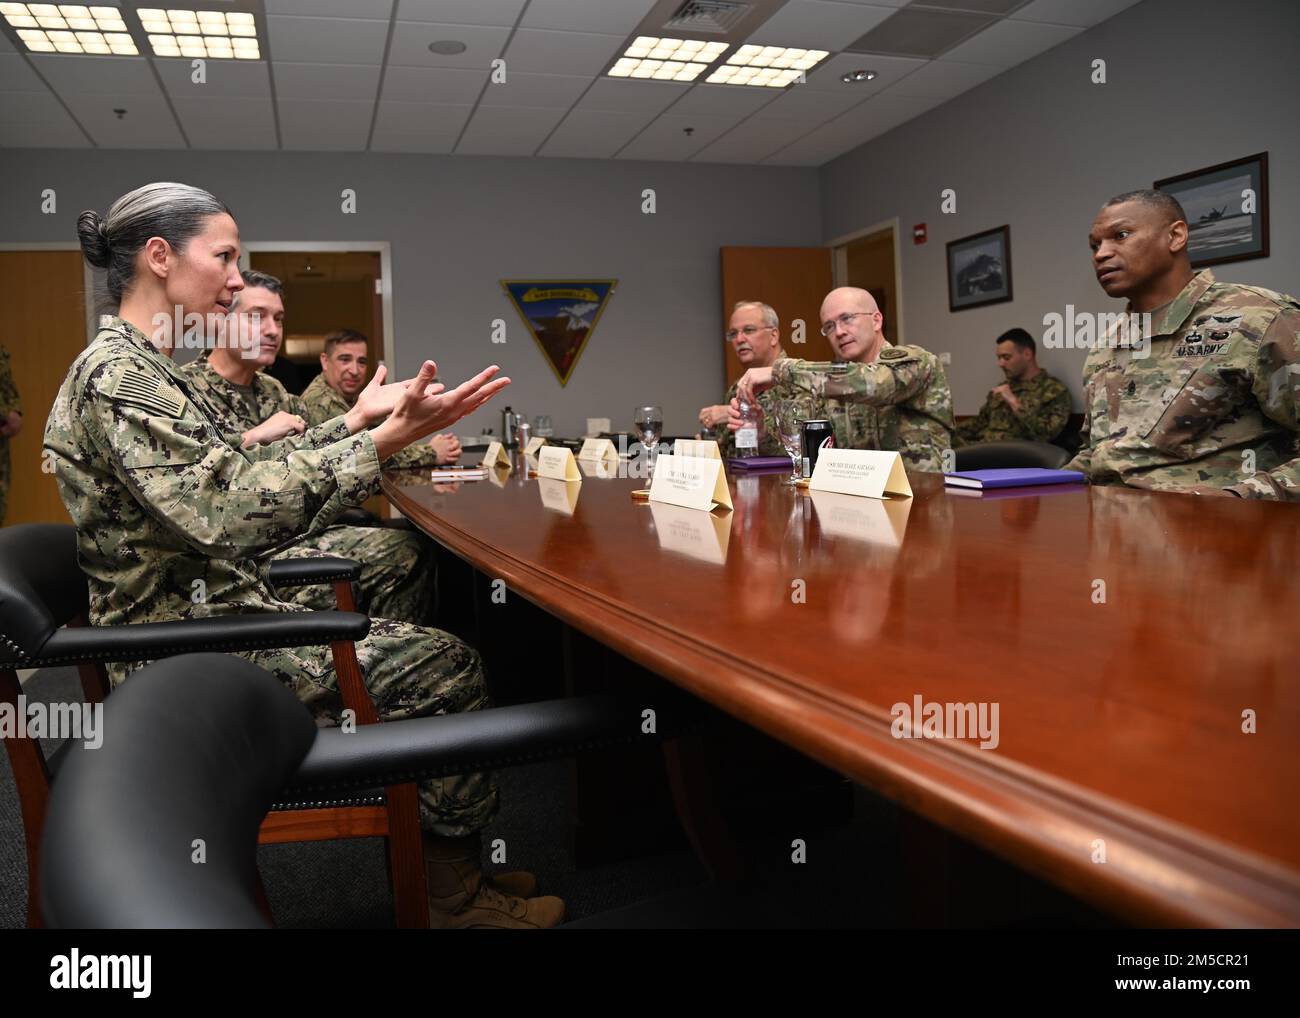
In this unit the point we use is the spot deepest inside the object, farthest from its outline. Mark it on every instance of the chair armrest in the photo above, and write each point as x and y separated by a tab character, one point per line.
148	641
356	517
298	572
420	748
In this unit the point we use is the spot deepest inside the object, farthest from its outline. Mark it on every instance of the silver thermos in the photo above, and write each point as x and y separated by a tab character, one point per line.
509	422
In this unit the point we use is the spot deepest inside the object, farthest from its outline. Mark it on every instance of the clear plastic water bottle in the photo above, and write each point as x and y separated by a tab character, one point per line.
747	436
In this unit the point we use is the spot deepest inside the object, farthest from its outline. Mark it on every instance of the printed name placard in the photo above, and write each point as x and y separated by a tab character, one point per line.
533	445
599	468
691	482
559	496
687	532
556	462
496	456
875	521
870	472
597	449
704	448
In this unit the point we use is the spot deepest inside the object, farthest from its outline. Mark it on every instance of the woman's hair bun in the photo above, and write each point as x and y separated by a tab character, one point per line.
94	239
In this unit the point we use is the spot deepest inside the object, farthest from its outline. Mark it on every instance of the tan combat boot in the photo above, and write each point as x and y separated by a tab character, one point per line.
459	897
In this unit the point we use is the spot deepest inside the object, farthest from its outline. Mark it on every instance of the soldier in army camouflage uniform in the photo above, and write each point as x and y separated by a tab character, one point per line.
881	397
170	518
1209	402
395	564
334	390
1030	405
754	331
11	422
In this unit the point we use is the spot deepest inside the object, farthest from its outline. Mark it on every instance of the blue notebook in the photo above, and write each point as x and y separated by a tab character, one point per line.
1016	477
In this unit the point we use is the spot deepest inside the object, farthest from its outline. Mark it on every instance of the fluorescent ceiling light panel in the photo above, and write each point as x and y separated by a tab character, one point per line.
767	66
70	28
666	59
183	33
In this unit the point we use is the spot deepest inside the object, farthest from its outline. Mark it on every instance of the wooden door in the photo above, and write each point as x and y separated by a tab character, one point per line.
791	279
43	294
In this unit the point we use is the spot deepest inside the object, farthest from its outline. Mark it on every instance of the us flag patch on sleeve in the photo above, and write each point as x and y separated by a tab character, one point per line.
149	392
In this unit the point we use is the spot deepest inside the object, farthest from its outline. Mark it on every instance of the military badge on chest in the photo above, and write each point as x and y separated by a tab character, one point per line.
1208	335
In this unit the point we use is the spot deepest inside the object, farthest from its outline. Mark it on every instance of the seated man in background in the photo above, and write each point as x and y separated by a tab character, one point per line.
883	397
1030	405
754	332
250	406
334	390
1207	400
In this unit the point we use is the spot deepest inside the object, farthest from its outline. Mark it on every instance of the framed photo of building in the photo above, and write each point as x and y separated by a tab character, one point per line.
1227	210
979	269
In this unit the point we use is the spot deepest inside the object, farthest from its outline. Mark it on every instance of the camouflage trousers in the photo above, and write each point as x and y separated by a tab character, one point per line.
396	571
410	672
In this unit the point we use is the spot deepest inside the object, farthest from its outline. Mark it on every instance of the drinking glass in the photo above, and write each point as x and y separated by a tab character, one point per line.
789	428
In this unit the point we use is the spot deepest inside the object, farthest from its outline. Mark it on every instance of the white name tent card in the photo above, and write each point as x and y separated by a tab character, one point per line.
870	472
687	532
496	456
703	448
690	482
499	475
875	521
533	445
556	462
599	468
559	496
598	449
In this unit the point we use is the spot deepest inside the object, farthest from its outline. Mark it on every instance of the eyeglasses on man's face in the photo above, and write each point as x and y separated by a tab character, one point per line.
748	332
844	320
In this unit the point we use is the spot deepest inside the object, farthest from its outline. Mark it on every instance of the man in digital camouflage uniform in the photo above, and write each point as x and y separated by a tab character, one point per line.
344	365
880	397
1207	402
395	564
11	421
754	332
1030	405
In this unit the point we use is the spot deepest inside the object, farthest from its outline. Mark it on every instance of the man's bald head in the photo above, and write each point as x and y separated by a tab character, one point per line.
852	321
850	296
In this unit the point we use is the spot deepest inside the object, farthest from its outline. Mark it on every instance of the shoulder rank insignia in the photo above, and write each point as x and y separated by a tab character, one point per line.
892	353
149	392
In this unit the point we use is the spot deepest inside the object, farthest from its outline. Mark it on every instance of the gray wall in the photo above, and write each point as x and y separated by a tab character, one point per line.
1190	83
459	224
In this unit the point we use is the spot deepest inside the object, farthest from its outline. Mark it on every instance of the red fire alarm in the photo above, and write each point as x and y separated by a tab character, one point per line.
918	233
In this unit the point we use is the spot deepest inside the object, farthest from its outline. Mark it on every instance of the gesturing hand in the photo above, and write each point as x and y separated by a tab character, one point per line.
423	407
274	428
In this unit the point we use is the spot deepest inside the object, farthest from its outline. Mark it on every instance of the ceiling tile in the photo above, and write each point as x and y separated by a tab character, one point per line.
148	122
326	81
246	79
311	124
943	79
380	10
666	137
594	134
411	45
816	107
16	75
888	69
51	134
862	123
547	91
395	141
230	124
86	75
814	24
433	84
31	108
724	100
920	33
620	96
417	118
1010	42
616	17
327	40
998	7
503	130
461	12
5	45
1079	13
561	52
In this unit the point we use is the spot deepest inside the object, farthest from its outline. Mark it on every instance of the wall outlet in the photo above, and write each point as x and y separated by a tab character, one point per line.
945	357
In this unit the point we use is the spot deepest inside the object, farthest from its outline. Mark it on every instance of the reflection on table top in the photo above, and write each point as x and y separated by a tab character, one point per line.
1121	634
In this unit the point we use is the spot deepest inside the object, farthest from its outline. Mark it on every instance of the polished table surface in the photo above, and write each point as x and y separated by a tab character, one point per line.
1121	634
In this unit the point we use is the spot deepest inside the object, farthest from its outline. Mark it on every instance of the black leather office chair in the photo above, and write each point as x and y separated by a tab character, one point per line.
201	746
995	455
44	599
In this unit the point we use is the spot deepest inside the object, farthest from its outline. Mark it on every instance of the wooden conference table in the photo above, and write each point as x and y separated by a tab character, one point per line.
1122	635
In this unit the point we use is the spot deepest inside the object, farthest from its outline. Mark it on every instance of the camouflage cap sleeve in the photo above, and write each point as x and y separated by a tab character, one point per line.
1276	387
179	470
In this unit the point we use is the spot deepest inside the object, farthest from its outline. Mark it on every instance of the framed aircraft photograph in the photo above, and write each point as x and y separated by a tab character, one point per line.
1227	210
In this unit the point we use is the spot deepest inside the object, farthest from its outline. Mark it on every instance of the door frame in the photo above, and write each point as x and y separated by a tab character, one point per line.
840	265
383	247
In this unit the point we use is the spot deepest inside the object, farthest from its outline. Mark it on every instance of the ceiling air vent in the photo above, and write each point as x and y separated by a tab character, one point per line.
716	16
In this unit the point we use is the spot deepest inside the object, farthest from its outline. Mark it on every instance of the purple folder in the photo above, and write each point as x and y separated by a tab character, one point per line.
761	463
1015	477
